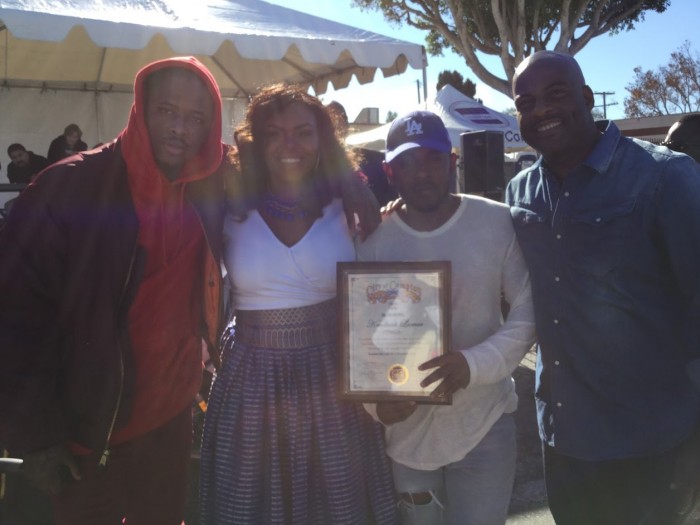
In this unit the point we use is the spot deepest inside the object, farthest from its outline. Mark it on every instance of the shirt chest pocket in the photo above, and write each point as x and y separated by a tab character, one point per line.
525	218
534	234
599	239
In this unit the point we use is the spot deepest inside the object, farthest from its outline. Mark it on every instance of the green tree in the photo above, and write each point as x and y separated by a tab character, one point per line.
511	29
391	116
457	81
673	88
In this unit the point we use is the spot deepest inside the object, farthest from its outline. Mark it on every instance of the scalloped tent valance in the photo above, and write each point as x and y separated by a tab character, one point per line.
100	44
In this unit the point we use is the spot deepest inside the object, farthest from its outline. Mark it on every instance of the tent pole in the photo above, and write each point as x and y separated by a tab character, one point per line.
425	78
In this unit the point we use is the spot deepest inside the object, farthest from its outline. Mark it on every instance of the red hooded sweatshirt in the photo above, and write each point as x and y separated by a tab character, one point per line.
165	318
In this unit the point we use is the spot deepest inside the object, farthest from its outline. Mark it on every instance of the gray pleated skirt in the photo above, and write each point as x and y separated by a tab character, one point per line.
279	447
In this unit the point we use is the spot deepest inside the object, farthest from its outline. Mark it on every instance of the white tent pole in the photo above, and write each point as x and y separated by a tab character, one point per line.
425	78
7	49
98	120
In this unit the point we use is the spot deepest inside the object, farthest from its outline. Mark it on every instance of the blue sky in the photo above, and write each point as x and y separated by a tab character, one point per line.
607	61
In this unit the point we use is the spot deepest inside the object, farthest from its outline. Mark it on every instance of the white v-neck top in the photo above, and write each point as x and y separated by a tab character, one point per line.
267	274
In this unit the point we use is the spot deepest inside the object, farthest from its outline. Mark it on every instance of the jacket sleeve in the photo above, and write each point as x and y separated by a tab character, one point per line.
56	148
11	173
31	266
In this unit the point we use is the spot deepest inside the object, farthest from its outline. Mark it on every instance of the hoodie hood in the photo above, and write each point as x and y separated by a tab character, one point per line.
136	142
159	202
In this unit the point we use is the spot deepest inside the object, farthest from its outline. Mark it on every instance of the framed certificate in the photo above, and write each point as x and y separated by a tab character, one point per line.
393	316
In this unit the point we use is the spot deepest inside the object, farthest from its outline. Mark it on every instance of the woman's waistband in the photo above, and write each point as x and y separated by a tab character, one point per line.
287	327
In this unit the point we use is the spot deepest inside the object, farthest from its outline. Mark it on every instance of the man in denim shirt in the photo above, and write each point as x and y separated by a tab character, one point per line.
610	230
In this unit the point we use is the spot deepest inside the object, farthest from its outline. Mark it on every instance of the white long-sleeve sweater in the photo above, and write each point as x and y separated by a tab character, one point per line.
486	261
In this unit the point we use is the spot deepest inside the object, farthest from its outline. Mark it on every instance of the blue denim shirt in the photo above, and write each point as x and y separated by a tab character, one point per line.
614	258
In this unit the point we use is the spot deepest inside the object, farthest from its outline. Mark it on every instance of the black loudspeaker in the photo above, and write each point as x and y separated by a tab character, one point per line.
482	164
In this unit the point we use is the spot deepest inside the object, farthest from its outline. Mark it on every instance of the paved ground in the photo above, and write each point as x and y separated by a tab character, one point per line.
528	505
539	516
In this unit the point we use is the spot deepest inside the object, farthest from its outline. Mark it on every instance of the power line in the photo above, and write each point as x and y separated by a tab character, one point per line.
605	103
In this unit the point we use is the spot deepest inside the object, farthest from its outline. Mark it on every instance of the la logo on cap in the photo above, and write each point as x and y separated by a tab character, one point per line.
413	128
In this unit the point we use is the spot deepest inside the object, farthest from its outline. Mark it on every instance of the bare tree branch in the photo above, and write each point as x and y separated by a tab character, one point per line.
511	29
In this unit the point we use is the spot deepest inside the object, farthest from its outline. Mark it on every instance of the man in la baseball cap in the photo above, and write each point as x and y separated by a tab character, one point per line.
454	463
417	129
418	162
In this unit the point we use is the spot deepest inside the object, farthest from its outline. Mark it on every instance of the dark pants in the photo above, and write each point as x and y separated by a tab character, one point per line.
145	480
618	492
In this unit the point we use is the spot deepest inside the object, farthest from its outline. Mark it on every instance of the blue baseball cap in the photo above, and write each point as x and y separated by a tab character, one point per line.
418	129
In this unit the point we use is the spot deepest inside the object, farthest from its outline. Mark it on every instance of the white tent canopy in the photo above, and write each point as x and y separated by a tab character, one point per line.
64	61
460	114
246	43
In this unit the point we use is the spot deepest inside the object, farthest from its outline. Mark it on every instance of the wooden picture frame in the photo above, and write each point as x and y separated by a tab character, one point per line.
393	316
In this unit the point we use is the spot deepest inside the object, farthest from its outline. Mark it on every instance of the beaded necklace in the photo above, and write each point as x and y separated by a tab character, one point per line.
281	209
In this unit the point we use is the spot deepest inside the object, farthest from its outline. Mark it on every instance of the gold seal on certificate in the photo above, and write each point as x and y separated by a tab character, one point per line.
397	374
393	316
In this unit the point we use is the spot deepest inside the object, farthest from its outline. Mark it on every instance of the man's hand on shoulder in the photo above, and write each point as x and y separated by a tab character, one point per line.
391	207
359	200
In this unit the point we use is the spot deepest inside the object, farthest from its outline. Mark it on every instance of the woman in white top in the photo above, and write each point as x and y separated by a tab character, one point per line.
279	447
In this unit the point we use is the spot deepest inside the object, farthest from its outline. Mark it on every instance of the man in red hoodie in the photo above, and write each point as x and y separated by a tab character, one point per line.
111	282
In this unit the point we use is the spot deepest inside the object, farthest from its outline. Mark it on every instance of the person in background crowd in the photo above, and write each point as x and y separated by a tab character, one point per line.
371	166
684	136
24	164
66	144
279	446
455	464
610	230
340	118
370	161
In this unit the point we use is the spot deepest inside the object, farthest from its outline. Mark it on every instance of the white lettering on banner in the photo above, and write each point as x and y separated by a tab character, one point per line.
413	128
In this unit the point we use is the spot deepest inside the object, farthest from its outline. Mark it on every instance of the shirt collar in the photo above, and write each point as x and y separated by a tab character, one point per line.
602	155
599	159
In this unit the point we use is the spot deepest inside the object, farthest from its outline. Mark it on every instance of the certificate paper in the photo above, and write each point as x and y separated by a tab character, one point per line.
394	316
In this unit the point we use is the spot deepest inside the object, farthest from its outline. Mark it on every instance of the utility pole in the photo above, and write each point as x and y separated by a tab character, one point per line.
418	88
605	104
